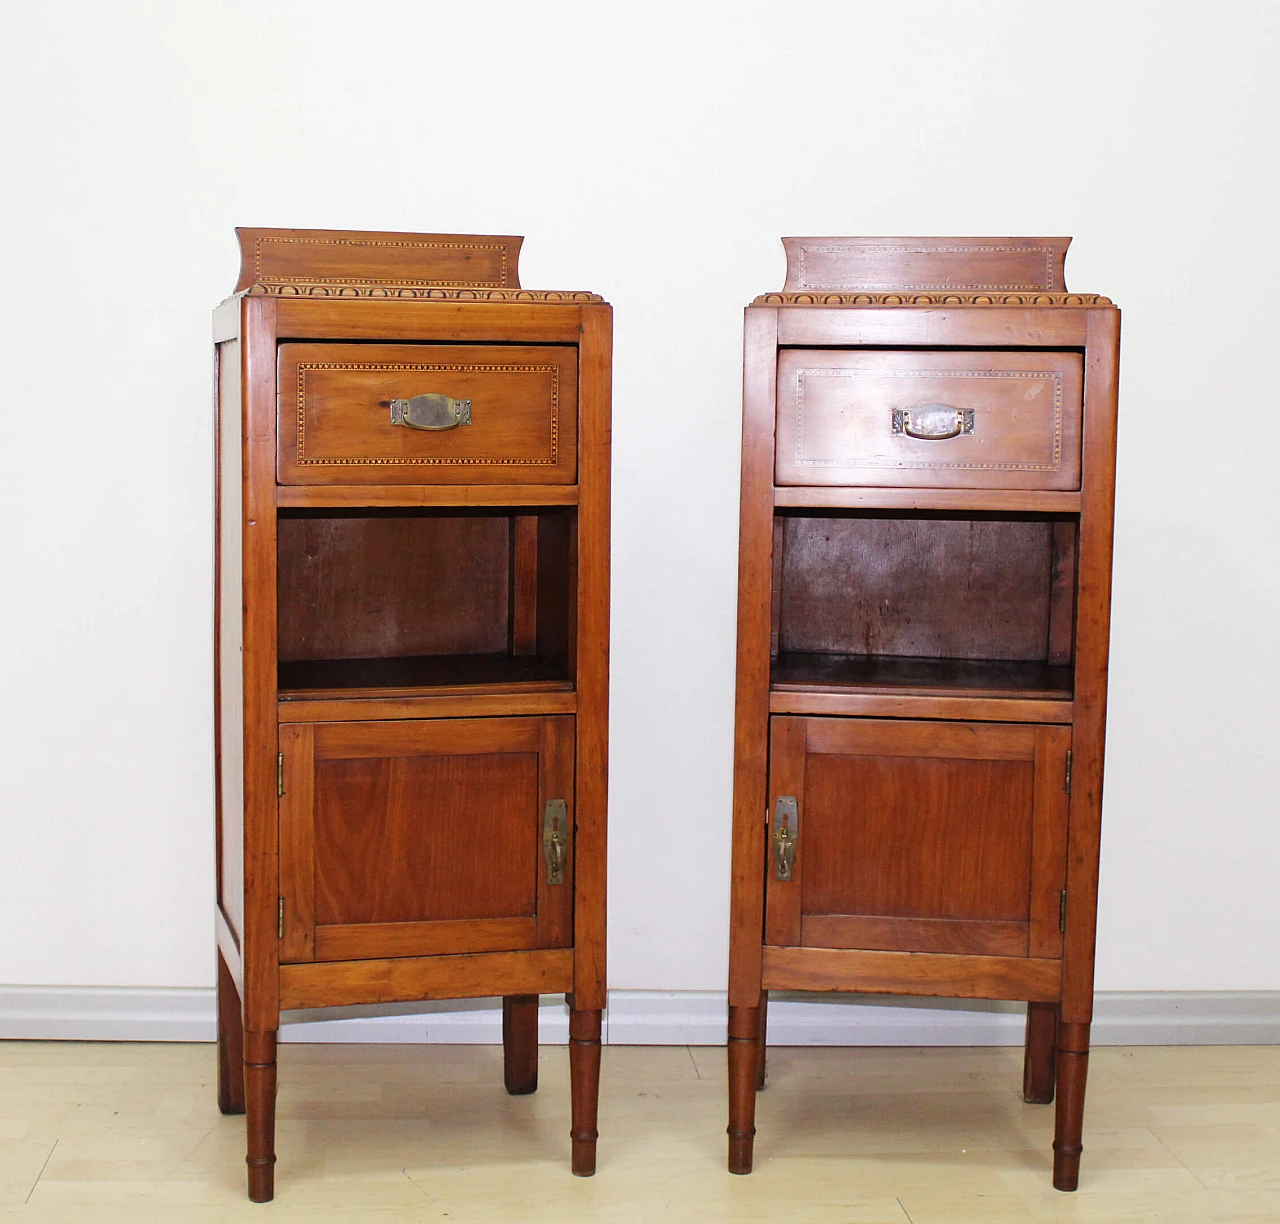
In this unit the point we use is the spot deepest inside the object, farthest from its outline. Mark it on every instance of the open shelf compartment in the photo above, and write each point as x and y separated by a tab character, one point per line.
927	603
416	601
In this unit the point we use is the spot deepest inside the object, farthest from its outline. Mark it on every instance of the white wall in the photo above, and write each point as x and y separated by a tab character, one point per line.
653	153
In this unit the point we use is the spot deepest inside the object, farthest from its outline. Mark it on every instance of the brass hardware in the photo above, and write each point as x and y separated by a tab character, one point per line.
431	411
279	773
1062	912
280	920
786	819
555	839
1066	785
933	422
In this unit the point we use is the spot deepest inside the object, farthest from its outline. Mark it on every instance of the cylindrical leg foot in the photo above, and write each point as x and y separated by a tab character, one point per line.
520	1044
584	1082
1038	1058
1073	1067
260	1109
762	1041
230	1043
744	1041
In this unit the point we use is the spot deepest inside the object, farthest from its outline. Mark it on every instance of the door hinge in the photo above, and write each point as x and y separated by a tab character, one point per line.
280	919
786	821
1066	785
1062	912
280	773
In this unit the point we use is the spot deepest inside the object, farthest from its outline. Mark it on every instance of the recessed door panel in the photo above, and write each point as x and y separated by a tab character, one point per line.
919	836
424	837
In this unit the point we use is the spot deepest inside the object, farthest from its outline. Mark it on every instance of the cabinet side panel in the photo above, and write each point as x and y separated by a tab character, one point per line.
230	646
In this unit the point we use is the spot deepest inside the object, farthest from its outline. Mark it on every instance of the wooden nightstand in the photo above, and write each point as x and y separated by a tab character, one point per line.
923	609
411	647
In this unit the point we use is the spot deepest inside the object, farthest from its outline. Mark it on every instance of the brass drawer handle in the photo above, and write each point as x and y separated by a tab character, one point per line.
431	411
933	422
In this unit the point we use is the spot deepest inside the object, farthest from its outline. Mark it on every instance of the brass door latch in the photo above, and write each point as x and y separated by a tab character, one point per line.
555	839
786	820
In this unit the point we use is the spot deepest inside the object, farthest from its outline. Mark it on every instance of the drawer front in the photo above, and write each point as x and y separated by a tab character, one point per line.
336	423
970	420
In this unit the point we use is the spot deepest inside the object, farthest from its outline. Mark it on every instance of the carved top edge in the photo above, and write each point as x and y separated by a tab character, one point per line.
377	258
818	298
888	265
416	293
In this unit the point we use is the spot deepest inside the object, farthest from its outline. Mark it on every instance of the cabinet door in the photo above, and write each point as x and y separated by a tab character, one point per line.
917	836
417	838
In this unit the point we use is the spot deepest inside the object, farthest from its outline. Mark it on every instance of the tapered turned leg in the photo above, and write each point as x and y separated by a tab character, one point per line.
584	1082
230	1043
744	1042
260	1110
520	1044
1073	1067
1038	1059
762	1041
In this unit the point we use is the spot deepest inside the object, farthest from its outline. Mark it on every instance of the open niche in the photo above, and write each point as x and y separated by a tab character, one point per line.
934	603
411	601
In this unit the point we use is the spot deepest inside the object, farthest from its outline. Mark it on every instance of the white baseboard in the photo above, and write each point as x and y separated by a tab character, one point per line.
648	1017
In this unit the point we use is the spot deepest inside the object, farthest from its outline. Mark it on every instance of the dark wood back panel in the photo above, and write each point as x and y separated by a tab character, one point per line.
940	586
377	585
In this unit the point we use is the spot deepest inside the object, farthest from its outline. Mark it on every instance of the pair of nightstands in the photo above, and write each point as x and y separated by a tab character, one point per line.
412	628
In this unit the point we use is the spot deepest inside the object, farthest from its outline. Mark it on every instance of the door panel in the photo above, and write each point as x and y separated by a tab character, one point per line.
920	836
423	837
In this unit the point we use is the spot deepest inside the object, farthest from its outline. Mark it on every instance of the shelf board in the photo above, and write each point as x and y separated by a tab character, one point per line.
420	676
357	496
846	497
893	687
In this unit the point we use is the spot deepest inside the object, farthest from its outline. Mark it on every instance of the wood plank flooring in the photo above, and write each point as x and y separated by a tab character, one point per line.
119	1132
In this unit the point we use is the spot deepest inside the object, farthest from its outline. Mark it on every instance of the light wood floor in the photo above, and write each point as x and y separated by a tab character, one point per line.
113	1132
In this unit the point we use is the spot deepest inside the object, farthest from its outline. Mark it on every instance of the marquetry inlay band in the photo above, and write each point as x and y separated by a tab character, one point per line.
384	242
417	293
816	298
428	460
930	375
911	249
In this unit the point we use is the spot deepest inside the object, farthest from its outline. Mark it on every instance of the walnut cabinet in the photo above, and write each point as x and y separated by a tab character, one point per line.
924	600
411	648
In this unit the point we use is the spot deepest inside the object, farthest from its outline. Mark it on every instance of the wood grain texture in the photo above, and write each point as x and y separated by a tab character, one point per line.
386	496
852	497
950	264
1039	1053
976	936
584	1086
354	941
1093	638
928	676
230	1042
589	658
406	979
465	703
520	1044
836	414
937	326
912	973
441	322
751	702
335	422
859	704
354	257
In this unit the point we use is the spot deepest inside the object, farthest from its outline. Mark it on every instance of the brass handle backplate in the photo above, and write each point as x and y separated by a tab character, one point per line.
786	821
431	411
555	839
933	422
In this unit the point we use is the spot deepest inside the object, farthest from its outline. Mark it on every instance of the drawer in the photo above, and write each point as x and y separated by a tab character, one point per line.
969	420
337	423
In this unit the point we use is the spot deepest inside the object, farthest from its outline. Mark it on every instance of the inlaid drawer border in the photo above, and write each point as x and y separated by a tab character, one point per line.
1057	377
428	460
